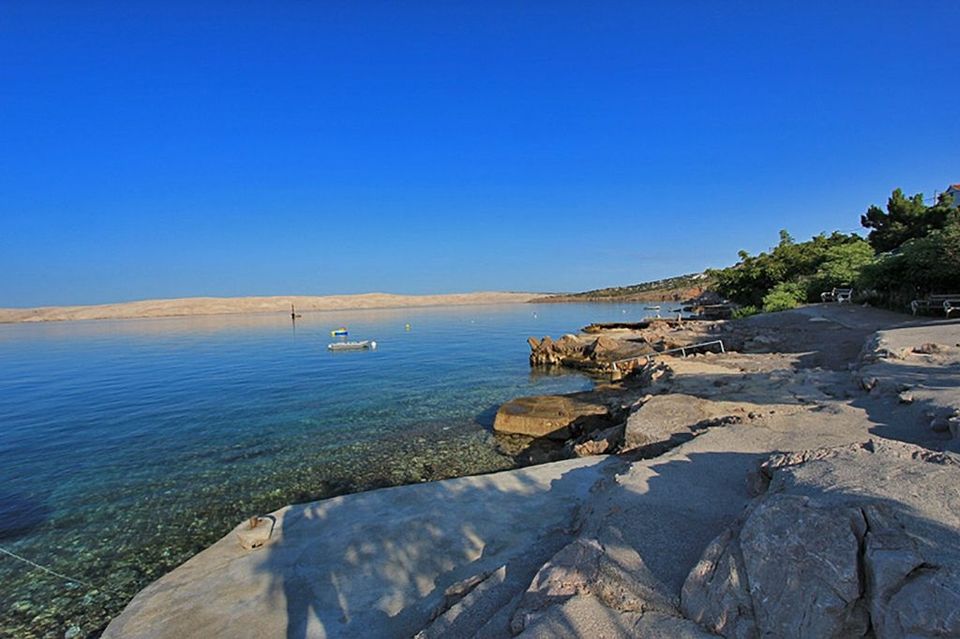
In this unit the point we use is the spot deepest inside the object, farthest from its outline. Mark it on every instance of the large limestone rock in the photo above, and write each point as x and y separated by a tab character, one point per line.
585	568
845	541
909	596
665	421
547	352
591	354
815	592
553	416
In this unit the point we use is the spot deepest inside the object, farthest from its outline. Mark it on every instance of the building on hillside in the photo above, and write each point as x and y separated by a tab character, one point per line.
954	190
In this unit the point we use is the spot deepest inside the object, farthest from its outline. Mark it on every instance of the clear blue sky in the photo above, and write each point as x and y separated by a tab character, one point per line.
165	150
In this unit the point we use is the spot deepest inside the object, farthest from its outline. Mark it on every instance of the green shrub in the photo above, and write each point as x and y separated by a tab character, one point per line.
919	249
784	296
819	264
841	268
745	311
921	266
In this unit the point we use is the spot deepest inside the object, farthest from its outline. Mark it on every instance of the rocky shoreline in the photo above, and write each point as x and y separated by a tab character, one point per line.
621	414
802	484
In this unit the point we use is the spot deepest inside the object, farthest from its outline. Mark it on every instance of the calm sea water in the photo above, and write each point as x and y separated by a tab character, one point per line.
127	446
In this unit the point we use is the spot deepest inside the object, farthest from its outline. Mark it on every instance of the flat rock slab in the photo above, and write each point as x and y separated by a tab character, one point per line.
917	367
374	564
665	421
553	416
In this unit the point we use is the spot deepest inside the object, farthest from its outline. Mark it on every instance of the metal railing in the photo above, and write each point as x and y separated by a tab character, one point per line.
682	350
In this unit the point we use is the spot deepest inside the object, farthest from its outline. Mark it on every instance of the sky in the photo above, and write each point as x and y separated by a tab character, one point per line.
175	149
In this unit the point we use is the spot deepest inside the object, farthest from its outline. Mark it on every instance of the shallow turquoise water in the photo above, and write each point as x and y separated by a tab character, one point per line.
127	446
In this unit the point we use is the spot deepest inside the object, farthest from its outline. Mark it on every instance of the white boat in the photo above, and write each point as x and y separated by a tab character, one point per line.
352	346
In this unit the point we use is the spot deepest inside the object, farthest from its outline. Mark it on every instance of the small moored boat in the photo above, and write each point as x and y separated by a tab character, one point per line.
352	346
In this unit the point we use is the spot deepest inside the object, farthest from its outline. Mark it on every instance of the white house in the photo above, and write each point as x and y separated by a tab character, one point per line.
954	190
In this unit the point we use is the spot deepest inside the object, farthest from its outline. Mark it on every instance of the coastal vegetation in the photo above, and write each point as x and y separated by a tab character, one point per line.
928	263
911	250
793	272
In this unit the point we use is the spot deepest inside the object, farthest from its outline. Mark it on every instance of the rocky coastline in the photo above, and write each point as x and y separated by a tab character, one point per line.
805	482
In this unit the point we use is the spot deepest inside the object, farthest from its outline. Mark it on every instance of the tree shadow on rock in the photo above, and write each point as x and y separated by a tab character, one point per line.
379	563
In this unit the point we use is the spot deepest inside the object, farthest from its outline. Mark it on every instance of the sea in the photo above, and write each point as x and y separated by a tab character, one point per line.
127	446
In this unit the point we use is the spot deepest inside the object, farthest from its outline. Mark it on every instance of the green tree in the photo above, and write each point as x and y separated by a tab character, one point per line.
842	266
818	264
906	218
919	250
923	265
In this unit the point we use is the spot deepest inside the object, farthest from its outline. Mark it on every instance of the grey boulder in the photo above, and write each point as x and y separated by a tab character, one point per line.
846	541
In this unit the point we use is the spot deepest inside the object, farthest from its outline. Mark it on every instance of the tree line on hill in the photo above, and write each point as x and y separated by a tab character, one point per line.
912	250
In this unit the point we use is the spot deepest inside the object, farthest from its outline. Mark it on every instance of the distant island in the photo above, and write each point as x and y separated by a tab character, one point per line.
191	306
